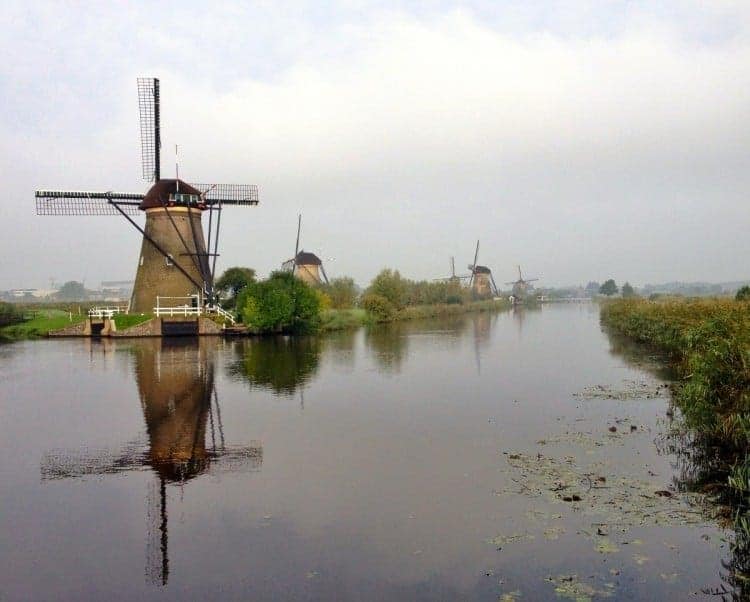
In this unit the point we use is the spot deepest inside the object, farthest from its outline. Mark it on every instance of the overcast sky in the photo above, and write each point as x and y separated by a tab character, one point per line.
583	140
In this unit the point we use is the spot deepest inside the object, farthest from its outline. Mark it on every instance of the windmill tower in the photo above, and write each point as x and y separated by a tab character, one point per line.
177	261
521	288
481	282
180	409
305	265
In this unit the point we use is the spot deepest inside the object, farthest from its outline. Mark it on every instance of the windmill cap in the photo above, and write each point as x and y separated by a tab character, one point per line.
305	258
159	193
481	269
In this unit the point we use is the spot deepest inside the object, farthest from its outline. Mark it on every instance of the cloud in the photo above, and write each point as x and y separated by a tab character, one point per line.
405	137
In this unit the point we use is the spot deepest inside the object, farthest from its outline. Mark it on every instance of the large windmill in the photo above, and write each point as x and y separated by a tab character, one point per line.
176	261
305	265
481	282
521	287
180	409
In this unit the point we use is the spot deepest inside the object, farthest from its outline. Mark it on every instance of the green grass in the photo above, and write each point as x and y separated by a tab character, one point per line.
342	319
708	342
40	323
124	321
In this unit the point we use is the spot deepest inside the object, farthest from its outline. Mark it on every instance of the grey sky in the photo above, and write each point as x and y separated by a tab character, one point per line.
581	139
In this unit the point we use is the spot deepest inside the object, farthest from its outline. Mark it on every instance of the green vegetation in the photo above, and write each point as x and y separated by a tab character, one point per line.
627	291
342	292
708	341
10	314
124	321
743	294
280	304
40	322
231	282
71	291
378	307
609	288
342	319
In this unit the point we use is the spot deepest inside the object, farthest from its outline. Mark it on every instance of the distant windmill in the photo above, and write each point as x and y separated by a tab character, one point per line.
175	259
481	281
453	278
305	265
521	287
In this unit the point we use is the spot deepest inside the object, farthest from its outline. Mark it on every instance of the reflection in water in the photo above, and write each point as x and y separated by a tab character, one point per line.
389	344
175	380
279	363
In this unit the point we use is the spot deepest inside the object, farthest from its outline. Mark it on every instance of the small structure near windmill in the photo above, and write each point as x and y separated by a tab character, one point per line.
481	282
521	288
177	262
305	265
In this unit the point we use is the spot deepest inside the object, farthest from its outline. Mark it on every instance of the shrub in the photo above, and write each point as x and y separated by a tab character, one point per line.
743	294
9	314
379	307
389	284
282	303
342	292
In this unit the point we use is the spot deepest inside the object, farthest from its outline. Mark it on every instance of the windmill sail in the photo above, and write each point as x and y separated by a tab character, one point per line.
228	194
72	202
148	105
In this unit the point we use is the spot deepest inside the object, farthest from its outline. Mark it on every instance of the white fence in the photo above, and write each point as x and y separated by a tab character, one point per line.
106	312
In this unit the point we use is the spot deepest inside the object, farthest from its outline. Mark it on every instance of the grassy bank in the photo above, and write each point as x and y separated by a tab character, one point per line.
342	319
708	341
40	322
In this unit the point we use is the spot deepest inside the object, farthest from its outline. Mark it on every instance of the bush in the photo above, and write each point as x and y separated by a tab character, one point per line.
9	314
379	307
389	285
342	292
282	304
231	282
743	294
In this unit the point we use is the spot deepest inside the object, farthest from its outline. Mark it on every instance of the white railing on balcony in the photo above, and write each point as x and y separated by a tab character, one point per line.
106	312
179	310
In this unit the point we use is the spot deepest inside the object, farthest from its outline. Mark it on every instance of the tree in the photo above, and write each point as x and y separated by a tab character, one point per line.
390	285
233	280
627	290
609	288
72	291
592	288
282	303
342	292
743	294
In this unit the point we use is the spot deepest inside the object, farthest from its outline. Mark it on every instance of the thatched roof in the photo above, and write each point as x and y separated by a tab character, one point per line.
305	258
159	193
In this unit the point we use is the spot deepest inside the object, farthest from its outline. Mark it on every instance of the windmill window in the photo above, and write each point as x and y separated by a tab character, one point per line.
141	261
169	259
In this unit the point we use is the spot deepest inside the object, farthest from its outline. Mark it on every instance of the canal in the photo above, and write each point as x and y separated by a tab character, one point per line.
520	455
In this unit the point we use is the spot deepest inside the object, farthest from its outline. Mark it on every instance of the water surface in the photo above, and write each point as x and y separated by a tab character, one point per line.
363	465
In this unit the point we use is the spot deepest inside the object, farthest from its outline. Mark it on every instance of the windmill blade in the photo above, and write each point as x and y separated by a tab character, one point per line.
71	202
494	286
149	107
228	194
531	279
296	245
476	254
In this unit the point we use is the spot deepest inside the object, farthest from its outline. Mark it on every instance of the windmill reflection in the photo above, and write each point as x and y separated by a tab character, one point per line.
175	379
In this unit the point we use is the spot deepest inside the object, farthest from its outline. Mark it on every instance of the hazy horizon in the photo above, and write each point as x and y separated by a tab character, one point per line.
578	140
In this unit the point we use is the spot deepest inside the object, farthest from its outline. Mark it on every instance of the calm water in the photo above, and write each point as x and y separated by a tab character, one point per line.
364	466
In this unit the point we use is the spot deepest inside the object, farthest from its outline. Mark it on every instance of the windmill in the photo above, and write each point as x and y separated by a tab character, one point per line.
305	265
481	282
176	260
453	278
180	404
521	287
